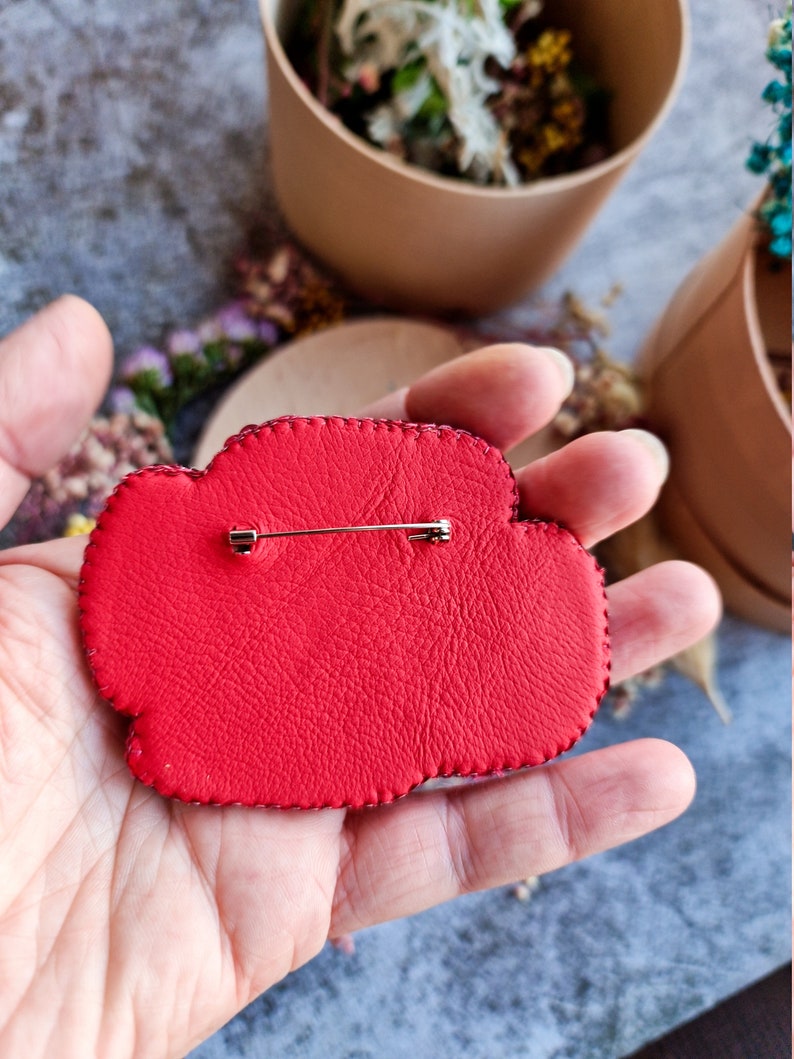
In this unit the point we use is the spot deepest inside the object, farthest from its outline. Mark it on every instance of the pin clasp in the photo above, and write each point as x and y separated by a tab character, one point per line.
437	532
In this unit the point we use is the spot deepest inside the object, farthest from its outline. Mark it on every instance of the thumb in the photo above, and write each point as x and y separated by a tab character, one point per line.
53	372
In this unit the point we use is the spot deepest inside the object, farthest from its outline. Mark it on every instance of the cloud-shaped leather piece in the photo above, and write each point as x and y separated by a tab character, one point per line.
339	669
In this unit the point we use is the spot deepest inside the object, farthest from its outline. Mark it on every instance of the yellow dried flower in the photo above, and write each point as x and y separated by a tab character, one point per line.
532	160
568	114
554	139
77	525
318	307
581	314
551	52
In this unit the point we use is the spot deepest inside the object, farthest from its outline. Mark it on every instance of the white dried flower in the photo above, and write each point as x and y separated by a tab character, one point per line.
383	125
456	44
777	32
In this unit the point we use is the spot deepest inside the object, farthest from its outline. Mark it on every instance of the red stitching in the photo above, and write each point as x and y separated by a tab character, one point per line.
414	430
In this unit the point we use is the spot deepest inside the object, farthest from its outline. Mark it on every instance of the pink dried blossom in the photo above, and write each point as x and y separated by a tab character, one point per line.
209	331
183	341
235	324
267	332
121	399
110	448
148	360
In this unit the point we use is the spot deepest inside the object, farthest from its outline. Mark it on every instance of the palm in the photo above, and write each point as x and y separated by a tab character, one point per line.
113	864
114	899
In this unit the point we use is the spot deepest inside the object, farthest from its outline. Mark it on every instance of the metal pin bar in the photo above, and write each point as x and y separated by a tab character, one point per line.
242	540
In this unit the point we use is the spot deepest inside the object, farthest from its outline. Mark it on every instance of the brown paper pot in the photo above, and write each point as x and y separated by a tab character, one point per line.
411	240
713	398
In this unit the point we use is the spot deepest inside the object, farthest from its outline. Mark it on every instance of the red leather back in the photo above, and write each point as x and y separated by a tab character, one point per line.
342	669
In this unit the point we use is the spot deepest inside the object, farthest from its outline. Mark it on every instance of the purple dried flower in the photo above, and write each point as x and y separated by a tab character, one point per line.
236	324
89	472
209	331
234	357
267	332
149	361
122	399
184	341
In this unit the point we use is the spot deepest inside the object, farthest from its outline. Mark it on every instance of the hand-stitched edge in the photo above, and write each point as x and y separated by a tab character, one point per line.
93	542
132	742
155	781
390	425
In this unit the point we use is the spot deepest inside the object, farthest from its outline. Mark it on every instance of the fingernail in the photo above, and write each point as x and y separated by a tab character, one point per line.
654	446
564	363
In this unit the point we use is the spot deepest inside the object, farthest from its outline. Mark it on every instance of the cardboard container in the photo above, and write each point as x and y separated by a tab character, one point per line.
408	239
713	398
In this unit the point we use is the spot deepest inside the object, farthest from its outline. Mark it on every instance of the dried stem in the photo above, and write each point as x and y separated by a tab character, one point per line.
324	53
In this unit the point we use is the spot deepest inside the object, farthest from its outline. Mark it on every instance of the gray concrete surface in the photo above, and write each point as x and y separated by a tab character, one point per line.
132	168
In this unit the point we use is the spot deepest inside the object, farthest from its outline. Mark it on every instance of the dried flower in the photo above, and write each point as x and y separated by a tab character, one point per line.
478	90
221	346
623	696
287	293
207	332
77	524
773	158
183	342
150	364
267	332
438	48
68	496
235	324
524	890
606	396
122	399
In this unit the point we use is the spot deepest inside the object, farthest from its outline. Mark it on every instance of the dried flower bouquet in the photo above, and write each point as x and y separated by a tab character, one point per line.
479	89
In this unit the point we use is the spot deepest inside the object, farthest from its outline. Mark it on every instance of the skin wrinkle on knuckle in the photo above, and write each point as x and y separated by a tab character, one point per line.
462	858
10	449
565	817
650	618
347	899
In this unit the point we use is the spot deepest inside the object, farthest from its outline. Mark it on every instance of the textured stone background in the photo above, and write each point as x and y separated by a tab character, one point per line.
132	168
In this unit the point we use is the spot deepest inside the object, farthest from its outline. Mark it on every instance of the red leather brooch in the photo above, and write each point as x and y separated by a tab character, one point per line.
336	610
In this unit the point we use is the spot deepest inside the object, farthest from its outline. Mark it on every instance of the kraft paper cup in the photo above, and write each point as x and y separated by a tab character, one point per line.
408	239
713	397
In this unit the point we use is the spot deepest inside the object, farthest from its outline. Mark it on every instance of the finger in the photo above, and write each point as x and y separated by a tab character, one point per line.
657	613
435	846
390	406
596	484
53	372
502	393
62	557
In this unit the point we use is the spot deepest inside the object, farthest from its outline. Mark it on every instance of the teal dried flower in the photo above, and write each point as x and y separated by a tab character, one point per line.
773	158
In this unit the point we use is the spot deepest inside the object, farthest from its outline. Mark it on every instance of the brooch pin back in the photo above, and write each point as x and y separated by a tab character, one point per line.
335	611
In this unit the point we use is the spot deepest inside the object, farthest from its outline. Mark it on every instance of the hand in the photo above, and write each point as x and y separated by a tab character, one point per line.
133	925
